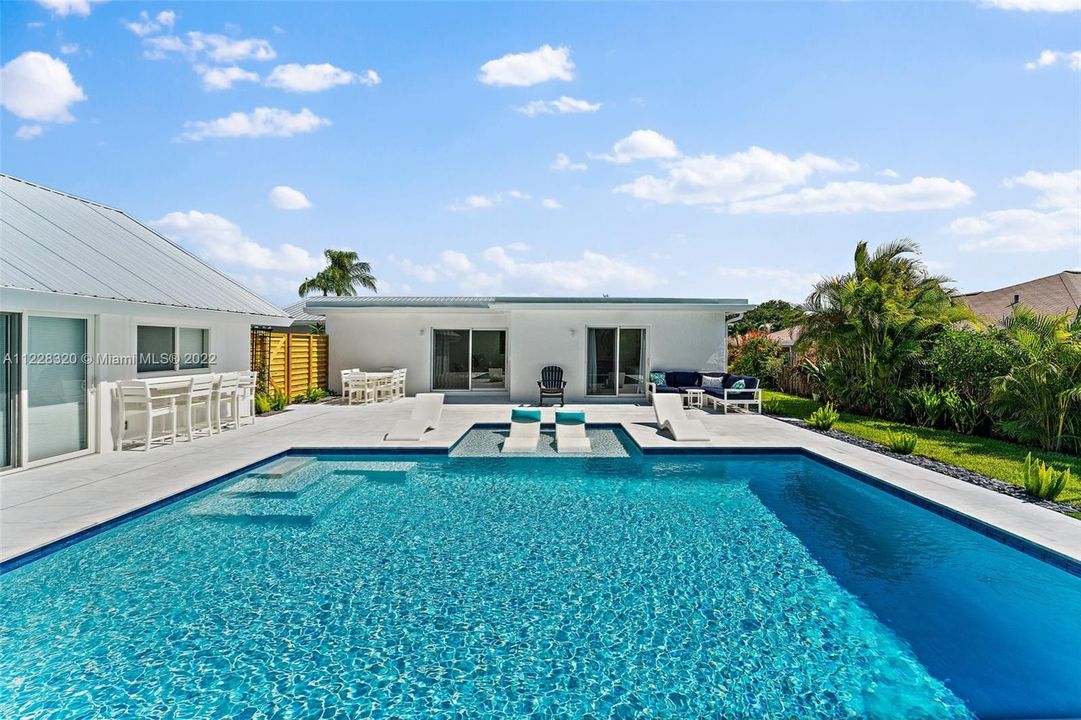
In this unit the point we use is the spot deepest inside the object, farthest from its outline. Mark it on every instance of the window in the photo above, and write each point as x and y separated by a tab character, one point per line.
162	349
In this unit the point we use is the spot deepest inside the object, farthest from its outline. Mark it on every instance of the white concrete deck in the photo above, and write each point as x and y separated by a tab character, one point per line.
45	504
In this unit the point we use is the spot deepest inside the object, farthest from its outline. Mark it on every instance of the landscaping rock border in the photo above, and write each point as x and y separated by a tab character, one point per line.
953	471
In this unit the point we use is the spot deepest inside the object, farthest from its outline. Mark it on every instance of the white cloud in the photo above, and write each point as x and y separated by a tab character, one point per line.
1051	57
480	202
36	86
261	122
223	78
221	241
147	25
1035	5
284	197
551	204
63	8
529	68
69	48
218	48
641	145
1056	226
316	78
888	172
758	282
712	180
860	196
498	269
562	163
563	105
35	25
29	132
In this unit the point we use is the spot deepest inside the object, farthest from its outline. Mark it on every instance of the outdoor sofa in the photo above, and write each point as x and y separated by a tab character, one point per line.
717	387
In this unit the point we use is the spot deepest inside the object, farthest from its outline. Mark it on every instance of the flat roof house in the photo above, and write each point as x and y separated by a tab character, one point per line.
88	297
498	345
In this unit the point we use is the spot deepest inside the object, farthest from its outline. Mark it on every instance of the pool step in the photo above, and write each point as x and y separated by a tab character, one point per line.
302	511
387	473
282	468
287	487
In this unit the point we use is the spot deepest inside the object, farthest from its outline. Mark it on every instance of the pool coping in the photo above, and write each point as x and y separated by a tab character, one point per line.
1028	546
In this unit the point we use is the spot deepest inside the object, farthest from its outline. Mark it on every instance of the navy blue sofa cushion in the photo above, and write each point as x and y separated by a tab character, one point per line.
749	384
683	378
666	389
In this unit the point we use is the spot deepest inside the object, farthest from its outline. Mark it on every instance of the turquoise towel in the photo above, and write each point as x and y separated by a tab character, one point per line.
570	418
521	415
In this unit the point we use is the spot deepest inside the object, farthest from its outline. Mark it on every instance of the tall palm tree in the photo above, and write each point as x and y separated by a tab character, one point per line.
871	327
343	273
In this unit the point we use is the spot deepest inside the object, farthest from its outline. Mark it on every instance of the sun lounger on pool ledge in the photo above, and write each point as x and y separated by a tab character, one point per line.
571	432
425	416
524	431
672	419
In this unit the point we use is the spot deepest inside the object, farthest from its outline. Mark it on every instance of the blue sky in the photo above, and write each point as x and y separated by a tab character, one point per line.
725	150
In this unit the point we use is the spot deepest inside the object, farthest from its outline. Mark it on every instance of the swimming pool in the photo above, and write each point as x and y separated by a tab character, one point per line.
643	586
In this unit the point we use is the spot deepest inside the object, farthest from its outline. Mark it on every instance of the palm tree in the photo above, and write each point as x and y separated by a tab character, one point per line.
343	273
1039	399
870	328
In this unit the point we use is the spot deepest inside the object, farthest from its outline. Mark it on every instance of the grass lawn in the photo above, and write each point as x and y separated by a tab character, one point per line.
994	458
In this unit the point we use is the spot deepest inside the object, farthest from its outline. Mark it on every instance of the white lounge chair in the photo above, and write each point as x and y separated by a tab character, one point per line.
571	433
425	416
524	431
671	418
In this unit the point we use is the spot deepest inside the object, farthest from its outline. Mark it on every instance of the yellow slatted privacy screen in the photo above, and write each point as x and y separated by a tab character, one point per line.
294	362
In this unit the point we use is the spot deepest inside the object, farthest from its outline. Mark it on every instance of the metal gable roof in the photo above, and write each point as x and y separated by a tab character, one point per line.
374	301
53	242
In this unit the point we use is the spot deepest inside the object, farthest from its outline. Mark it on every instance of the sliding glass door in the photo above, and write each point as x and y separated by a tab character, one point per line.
616	361
469	359
9	388
56	407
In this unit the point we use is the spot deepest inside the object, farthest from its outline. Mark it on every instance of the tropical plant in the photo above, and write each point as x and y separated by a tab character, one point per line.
927	405
1043	480
262	403
1039	400
964	413
278	400
968	361
902	443
343	273
824	417
871	327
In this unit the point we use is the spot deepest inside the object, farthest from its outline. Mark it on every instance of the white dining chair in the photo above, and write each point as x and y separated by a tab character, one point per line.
228	401
248	381
200	402
136	400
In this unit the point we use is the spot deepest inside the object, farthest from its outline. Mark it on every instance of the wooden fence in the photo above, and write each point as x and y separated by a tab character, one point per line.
290	362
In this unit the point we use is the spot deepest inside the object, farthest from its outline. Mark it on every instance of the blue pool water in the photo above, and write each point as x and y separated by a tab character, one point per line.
431	587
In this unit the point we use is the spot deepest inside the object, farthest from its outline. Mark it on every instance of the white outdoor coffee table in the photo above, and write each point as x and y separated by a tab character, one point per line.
693	397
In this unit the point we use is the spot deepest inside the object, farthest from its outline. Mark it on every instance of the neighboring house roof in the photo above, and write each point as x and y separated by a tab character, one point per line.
300	316
54	242
1054	294
787	337
374	301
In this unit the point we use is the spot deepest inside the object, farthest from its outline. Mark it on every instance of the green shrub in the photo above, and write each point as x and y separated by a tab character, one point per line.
315	394
964	413
300	398
926	404
968	361
824	417
1043	480
262	403
757	355
278	400
902	443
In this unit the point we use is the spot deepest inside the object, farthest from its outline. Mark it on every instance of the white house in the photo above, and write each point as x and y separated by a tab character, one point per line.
498	345
89	296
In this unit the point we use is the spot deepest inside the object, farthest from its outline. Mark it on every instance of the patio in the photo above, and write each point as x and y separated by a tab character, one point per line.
45	504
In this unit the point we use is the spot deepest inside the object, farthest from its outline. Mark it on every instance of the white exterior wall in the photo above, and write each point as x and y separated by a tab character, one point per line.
537	335
111	331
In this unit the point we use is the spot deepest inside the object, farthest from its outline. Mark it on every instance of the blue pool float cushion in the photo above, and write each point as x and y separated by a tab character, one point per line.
522	415
570	418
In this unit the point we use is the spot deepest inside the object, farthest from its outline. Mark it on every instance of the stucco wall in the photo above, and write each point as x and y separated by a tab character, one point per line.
112	331
371	339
